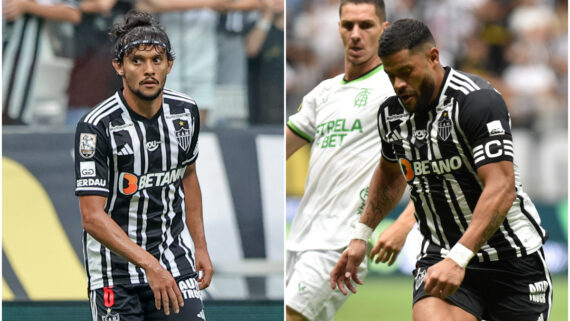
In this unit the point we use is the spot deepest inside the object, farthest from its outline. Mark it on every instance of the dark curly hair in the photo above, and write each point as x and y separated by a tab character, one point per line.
137	29
404	34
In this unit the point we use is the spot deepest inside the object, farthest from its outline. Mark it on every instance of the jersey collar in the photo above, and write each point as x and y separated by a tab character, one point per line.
364	76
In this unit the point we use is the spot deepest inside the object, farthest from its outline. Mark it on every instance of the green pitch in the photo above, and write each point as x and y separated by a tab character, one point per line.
390	299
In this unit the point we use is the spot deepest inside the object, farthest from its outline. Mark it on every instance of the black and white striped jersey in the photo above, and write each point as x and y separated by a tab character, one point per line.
138	165
439	151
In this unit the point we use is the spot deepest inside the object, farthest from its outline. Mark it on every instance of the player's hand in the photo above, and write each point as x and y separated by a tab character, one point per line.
165	289
13	9
443	279
347	266
204	265
389	244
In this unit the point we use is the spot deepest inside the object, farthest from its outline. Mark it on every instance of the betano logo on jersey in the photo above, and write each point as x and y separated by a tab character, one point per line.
132	183
412	169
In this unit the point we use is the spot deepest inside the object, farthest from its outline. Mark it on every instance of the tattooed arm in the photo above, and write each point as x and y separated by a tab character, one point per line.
445	277
386	189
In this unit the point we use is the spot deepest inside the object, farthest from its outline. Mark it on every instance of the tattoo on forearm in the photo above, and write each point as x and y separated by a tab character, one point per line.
491	228
380	204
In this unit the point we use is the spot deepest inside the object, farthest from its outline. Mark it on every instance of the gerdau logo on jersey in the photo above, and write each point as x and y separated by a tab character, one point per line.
132	183
412	169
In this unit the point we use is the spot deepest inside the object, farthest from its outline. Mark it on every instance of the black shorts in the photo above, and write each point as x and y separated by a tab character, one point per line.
518	289
136	303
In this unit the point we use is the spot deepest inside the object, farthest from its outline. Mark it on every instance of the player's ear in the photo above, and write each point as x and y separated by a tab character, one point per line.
170	63
118	65
433	56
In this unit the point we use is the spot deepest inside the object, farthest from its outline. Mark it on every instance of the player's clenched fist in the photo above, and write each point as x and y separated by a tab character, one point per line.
443	279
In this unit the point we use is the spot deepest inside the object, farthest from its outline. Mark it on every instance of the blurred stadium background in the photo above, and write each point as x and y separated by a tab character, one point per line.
240	167
521	47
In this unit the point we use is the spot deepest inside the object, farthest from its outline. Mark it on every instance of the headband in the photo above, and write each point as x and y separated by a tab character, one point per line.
130	45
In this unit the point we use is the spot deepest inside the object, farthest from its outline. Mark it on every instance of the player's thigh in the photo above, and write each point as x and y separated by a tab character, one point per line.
293	315
193	309
436	309
115	303
308	288
521	290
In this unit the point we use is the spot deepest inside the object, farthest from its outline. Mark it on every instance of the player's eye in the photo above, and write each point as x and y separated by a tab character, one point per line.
347	25
157	59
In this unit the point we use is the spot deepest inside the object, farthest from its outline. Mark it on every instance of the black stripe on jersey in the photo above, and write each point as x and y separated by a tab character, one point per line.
420	215
33	69
456	206
167	201
471	197
168	159
535	224
436	214
16	64
513	236
139	126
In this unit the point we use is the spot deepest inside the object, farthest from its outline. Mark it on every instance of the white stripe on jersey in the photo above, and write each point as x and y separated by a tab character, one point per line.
547	275
105	105
462	89
185	231
143	227
94	261
106	113
462	84
109	271
459	75
93	301
171	94
132	233
97	189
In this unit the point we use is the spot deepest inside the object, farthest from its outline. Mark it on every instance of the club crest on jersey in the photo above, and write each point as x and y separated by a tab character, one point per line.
444	127
87	143
183	133
110	316
420	275
361	98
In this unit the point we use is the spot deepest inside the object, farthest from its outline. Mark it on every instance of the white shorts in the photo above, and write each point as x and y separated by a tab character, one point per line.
308	284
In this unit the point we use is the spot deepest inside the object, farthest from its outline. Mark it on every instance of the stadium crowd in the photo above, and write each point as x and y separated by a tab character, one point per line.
521	46
229	56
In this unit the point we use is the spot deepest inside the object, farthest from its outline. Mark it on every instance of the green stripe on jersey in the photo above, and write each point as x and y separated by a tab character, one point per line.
365	76
299	132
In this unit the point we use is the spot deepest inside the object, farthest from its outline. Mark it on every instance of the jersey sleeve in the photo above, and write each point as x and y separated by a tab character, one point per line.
303	122
386	136
196	132
485	121
91	155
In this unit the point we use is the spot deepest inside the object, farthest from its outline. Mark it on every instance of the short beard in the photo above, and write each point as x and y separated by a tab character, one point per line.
142	96
427	87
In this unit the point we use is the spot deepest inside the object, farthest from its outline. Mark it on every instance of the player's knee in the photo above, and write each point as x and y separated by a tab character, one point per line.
435	309
293	315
